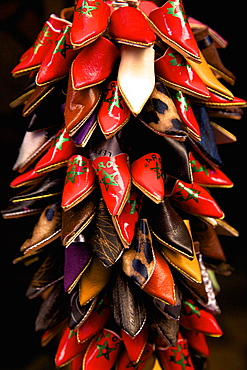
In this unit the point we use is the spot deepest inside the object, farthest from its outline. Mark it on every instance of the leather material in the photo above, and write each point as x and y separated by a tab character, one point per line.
171	25
171	312
69	348
96	321
135	346
204	42
54	105
197	319
78	314
33	145
129	26
172	357
195	288
210	245
48	187
161	283
183	104
178	168
231	113
136	77
128	303
210	53
167	328
102	351
105	241
175	72
219	41
46	97
160	115
189	268
83	134
79	181
57	61
178	151
25	179
51	333
89	22
157	365
206	148
50	272
224	228
39	94
77	257
139	262
125	223
93	280
197	342
23	94
47	229
205	73
221	135
93	64
169	228
195	199
114	179
76	363
147	175
118	267
205	175
219	102
58	154
33	57
54	309
79	106
76	219
113	112
147	6
24	208
145	362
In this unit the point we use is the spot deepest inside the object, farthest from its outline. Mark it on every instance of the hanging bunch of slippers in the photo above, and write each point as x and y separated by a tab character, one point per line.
118	157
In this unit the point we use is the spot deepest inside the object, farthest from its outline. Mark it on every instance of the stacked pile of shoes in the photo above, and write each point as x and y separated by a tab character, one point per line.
118	159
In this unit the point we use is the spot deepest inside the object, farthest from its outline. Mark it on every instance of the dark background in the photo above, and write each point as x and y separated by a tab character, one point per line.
20	22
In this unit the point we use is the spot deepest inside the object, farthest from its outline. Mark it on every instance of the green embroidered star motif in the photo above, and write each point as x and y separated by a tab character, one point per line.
108	179
61	45
179	358
192	193
133	204
72	333
183	99
100	307
58	142
104	350
74	170
114	100
157	170
42	38
86	9
202	168
174	61
177	10
194	310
